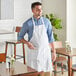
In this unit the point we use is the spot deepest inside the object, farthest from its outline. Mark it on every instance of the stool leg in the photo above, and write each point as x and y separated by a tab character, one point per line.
6	48
15	51
23	53
62	68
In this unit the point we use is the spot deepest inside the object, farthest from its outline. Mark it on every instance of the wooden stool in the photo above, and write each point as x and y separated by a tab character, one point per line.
15	42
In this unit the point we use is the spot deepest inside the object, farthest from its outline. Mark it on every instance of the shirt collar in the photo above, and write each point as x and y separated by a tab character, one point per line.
36	19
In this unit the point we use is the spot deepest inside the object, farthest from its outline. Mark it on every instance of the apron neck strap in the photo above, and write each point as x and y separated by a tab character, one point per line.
33	21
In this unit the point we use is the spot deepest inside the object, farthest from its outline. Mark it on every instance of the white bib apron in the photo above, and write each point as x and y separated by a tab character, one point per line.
40	58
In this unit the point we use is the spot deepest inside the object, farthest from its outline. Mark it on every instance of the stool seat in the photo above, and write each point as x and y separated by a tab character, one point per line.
60	59
13	42
2	57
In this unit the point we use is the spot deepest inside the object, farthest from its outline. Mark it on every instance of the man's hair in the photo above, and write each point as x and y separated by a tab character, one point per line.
34	4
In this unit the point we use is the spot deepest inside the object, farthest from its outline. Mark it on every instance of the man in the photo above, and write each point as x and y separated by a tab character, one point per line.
40	40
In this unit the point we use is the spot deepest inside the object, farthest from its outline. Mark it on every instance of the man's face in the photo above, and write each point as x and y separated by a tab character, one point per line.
37	10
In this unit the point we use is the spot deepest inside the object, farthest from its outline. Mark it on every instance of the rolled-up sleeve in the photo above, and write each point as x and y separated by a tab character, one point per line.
50	32
23	31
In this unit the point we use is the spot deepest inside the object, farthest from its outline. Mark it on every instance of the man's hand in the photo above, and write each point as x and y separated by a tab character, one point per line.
53	56
30	45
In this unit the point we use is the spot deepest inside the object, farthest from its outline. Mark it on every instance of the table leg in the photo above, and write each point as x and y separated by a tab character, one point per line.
69	65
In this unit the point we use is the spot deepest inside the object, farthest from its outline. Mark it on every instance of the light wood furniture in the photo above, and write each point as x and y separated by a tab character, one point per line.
62	51
2	57
59	59
18	68
15	42
31	74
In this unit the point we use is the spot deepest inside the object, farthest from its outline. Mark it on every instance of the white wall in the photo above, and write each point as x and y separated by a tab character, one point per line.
7	9
71	22
59	9
22	10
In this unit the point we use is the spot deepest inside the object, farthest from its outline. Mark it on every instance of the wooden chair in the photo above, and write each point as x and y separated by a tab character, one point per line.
31	74
59	59
15	42
73	70
2	57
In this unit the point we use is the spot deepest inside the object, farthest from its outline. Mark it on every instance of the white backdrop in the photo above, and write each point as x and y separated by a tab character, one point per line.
7	9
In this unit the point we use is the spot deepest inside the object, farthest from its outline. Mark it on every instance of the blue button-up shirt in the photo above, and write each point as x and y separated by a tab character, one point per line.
28	28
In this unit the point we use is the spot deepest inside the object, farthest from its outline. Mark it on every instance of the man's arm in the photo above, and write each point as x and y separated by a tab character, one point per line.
21	35
30	45
51	40
53	51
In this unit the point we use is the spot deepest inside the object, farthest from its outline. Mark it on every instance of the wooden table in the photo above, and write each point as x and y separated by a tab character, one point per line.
62	51
19	68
